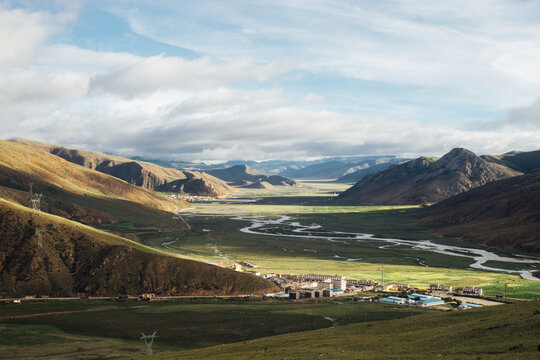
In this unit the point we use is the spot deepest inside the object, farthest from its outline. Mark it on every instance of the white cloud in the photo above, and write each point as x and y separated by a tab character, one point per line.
162	72
221	124
483	52
22	32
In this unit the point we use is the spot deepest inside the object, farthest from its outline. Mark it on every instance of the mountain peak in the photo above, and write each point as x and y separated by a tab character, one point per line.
459	152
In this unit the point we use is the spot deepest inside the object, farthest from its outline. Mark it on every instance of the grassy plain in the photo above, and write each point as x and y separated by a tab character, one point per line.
497	332
93	327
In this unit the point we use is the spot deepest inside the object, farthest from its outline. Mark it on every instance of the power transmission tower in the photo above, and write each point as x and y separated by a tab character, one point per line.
39	232
148	340
382	276
36	202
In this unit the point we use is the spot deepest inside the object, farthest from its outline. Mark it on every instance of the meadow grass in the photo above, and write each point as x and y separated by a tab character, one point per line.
498	332
181	324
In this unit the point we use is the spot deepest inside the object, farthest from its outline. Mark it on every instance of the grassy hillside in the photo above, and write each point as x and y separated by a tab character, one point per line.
498	332
21	165
521	161
144	174
68	257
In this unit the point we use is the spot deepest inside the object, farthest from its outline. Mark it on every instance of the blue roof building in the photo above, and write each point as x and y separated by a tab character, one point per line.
393	300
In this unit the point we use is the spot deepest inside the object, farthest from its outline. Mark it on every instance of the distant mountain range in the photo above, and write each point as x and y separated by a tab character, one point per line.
426	180
144	174
345	169
243	173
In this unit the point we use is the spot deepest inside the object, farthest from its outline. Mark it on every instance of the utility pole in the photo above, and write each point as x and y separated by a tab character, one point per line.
148	340
382	276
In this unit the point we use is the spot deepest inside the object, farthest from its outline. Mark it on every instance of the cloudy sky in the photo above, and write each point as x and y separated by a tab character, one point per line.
216	80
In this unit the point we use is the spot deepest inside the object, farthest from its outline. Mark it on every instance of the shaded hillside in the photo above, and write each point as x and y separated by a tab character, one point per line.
143	174
245	173
67	258
517	160
504	214
426	180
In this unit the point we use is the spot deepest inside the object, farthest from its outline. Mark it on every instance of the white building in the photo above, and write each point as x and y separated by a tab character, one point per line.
340	284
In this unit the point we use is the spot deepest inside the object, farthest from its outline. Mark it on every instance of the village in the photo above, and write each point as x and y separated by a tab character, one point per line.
307	287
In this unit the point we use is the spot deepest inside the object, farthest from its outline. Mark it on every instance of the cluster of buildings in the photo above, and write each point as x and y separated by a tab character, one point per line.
191	198
446	289
311	286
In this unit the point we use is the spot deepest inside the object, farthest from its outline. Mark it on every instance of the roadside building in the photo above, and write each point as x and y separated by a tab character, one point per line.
393	300
340	284
467	306
326	284
236	267
307	294
293	295
278	295
328	293
440	288
425	300
250	264
148	296
472	291
402	287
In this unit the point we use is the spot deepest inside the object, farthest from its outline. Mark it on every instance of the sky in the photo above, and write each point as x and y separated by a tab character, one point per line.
281	79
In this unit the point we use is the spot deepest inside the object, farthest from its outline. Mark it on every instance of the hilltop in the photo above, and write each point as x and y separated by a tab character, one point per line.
426	180
144	174
504	213
524	161
239	173
67	258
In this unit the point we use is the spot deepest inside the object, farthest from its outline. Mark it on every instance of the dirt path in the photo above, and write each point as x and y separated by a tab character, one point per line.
55	313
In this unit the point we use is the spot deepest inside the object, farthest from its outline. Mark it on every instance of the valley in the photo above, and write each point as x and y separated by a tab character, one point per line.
132	260
299	230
